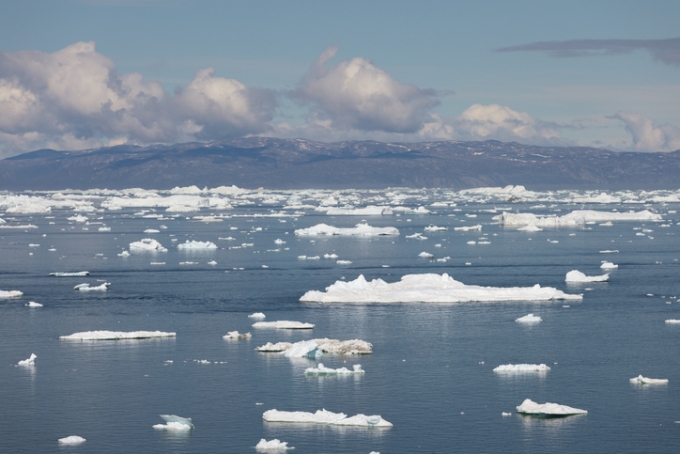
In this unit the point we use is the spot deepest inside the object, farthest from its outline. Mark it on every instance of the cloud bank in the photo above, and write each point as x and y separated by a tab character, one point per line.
664	50
647	135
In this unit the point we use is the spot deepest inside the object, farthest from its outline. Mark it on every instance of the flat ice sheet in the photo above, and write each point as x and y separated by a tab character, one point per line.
10	294
283	324
573	219
117	335
529	407
358	230
521	369
323	370
577	276
71	440
272	445
325	417
197	245
428	288
640	380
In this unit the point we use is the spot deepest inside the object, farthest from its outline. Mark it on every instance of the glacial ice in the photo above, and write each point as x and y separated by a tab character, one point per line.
529	318
573	219
469	228
87	288
175	423
640	380
577	276
234	335
672	321
117	335
359	230
530	407
608	266
70	274
324	346
28	362
370	210
10	293
257	315
435	228
33	304
147	244
426	255
325	417
197	245
283	324
124	254
521	368
322	370
71	440
428	288
272	445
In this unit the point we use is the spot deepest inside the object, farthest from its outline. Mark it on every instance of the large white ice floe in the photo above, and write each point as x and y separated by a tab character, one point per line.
370	210
323	370
529	318
71	440
10	293
358	230
325	417
117	335
272	445
640	380
428	288
175	423
147	244
573	219
317	347
197	245
577	276
608	266
529	407
70	273
88	288
522	369
28	362
283	324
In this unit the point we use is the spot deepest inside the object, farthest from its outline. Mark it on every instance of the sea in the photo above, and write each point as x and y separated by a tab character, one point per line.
431	370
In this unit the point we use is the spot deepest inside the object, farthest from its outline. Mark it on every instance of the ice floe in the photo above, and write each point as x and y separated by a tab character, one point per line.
70	274
573	219
577	276
283	324
257	315
117	335
640	380
469	228
529	318
521	369
426	255
325	417
147	244
272	445
428	288
317	347
71	440
10	293
88	288
322	370
33	304
608	266
435	228
235	335
529	407
197	245
358	230
175	423
370	210
28	362
672	321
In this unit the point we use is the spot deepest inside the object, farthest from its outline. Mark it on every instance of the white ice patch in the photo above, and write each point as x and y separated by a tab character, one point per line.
283	324
197	245
147	244
529	318
117	335
428	288
325	417
87	288
324	346
272	445
322	370
257	315
469	228
370	210
71	440
10	294
34	304
672	321
577	276
522	369
175	423
435	228
235	335
640	380
426	255
573	219
530	407
608	266
28	362
358	230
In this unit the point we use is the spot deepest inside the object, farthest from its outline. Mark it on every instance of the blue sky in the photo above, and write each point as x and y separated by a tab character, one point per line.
79	74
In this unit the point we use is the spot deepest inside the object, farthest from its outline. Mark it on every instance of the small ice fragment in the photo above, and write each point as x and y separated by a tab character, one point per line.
257	315
530	407
283	324
521	368
34	304
322	370
151	231
28	362
325	417
235	335
197	245
70	274
672	321
344	262
87	288
71	440
426	255
577	276
530	318
124	254
640	380
272	445
212	263
175	423
506	414
608	266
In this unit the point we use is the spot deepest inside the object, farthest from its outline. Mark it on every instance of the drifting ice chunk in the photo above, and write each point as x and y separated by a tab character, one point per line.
370	210
34	304
124	254
86	287
469	228
117	335
272	445
257	315
326	346
10	293
428	288
283	324
521	369
322	370
147	244
234	335
274	348
28	362
640	380
530	318
573	219
325	417
417	236
359	230
175	423
344	262
608	266
434	228
530	407
303	349
196	245
672	321
152	231
72	440
70	274
577	276
426	255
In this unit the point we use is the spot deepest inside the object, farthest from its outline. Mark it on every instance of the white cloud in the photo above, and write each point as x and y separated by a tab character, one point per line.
647	135
75	97
355	94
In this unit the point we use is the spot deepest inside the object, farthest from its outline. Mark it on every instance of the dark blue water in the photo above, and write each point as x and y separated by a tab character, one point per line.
431	370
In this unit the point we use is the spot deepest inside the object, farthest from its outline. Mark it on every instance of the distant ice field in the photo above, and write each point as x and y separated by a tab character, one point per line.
430	373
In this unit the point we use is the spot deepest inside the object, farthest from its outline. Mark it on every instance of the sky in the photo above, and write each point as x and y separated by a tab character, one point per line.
81	74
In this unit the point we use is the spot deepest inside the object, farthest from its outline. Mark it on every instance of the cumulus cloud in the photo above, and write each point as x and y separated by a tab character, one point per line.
75	97
355	94
664	50
647	135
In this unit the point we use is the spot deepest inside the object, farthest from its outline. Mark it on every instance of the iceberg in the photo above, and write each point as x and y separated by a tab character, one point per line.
521	369
548	409
426	255
235	335
175	423
274	348
325	346
197	245
10	293
529	318
325	417
124	254
303	349
469	228
531	227
428	288
147	244
608	266
87	288
257	315
640	380
283	324
70	274
71	440
577	276
322	370
28	362
117	335
574	219
358	230
272	445
34	304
